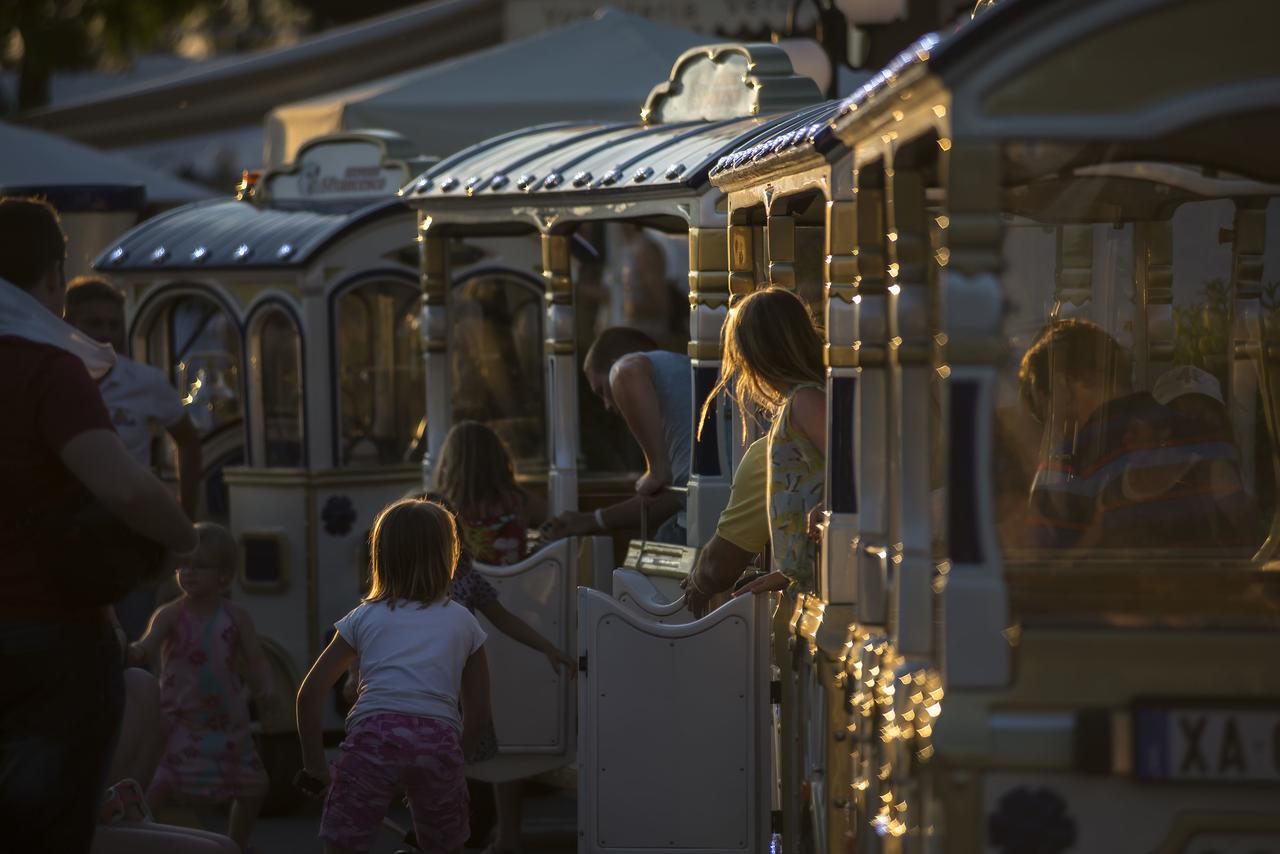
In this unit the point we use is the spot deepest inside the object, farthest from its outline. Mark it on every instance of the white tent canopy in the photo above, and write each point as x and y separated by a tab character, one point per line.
32	158
595	68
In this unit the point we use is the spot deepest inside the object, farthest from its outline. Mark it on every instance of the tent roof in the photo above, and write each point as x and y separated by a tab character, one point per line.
237	235
34	160
598	68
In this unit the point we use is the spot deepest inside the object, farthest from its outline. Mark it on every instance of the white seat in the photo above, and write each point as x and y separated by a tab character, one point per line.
645	594
675	729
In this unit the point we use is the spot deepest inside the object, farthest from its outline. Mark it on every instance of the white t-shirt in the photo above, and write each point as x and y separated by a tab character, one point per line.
411	657
139	396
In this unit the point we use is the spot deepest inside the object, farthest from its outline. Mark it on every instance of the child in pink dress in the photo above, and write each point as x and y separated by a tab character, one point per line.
199	639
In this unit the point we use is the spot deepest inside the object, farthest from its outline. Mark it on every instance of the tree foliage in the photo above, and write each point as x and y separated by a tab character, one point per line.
67	35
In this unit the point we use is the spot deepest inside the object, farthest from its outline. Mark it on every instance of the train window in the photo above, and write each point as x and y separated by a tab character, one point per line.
194	339
276	357
495	362
1127	418
380	383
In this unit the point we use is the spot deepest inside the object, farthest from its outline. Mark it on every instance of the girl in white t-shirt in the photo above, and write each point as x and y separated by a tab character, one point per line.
420	654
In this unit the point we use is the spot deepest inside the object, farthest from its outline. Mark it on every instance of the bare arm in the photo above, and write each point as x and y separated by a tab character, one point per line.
260	680
324	674
809	415
624	514
719	565
631	384
517	629
476	713
146	650
187	438
535	509
98	459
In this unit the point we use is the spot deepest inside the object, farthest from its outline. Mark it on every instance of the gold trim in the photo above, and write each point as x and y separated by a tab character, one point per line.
771	86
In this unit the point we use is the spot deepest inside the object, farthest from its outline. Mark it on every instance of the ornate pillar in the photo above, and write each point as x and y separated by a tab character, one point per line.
1153	327
562	376
974	609
781	243
914	411
712	465
433	257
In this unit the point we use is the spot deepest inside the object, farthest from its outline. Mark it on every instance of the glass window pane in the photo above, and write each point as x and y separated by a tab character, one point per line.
280	352
381	391
204	346
1125	419
495	363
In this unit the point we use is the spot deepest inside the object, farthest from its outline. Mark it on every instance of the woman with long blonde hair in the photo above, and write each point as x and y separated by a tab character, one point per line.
772	365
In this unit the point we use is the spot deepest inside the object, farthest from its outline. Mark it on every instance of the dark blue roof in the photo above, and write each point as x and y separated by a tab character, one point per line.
577	159
231	234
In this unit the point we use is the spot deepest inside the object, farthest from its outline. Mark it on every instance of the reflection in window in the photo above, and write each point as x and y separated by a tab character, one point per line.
195	341
495	362
381	390
279	353
1124	421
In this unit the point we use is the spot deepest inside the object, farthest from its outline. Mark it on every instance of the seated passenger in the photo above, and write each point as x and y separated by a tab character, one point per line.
741	534
1119	469
652	390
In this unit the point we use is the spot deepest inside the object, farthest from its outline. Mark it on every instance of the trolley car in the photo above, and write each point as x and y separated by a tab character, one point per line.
1107	162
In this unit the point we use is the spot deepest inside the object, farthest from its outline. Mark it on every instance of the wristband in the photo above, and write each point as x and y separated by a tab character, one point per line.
693	582
599	517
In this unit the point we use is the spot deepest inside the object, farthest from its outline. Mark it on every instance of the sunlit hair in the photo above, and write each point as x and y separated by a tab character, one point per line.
475	473
216	549
413	550
769	346
86	289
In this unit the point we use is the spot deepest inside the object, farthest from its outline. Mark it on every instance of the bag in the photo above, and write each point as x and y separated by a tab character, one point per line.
92	557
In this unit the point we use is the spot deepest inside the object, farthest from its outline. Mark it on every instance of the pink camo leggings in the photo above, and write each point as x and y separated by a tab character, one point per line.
384	754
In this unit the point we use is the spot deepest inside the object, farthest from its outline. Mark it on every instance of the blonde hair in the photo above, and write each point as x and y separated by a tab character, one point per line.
475	473
413	552
769	346
217	547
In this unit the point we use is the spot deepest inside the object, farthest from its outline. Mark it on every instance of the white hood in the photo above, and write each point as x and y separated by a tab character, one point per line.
23	316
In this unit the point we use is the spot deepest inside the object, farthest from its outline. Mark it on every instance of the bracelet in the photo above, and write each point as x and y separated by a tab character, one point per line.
693	582
599	517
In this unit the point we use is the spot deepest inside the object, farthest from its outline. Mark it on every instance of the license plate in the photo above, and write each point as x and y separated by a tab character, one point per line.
1207	745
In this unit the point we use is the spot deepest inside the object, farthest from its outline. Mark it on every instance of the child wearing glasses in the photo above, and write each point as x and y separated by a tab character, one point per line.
198	640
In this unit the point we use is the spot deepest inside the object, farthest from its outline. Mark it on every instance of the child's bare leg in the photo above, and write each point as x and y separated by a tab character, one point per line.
244	811
142	732
508	798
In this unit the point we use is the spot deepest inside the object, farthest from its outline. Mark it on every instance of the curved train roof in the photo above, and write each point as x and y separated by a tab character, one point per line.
235	235
570	159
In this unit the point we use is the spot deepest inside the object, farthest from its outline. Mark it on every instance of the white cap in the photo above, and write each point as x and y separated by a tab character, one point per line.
1186	379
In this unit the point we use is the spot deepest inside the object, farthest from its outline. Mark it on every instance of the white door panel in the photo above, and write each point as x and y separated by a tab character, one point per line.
532	703
639	592
674	742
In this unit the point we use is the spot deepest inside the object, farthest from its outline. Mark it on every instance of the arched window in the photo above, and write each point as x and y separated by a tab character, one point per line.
495	362
275	359
380	384
193	339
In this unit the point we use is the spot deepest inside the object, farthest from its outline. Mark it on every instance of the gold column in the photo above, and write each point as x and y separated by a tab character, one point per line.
562	376
781	244
742	280
433	261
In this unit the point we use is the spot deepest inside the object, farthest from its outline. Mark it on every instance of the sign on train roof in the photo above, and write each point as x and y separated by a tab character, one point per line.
341	167
714	96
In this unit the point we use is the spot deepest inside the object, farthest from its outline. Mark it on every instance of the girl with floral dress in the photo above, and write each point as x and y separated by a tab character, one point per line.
199	640
772	364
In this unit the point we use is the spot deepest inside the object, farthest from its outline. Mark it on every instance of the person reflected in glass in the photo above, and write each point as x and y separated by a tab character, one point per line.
1118	469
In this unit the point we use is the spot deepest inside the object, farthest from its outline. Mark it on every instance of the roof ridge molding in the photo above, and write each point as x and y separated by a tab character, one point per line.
726	81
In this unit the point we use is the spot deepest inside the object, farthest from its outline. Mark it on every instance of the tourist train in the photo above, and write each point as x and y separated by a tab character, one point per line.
951	684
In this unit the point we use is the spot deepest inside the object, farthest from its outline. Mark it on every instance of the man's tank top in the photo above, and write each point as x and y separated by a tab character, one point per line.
674	383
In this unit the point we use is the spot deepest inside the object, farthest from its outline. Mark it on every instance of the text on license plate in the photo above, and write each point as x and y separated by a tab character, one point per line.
1210	745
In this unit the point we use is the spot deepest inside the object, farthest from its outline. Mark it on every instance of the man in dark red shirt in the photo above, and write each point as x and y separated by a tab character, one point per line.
61	693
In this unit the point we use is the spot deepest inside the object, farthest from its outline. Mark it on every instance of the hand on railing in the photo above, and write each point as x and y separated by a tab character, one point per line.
764	584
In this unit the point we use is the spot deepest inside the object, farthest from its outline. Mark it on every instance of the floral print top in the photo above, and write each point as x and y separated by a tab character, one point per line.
796	478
